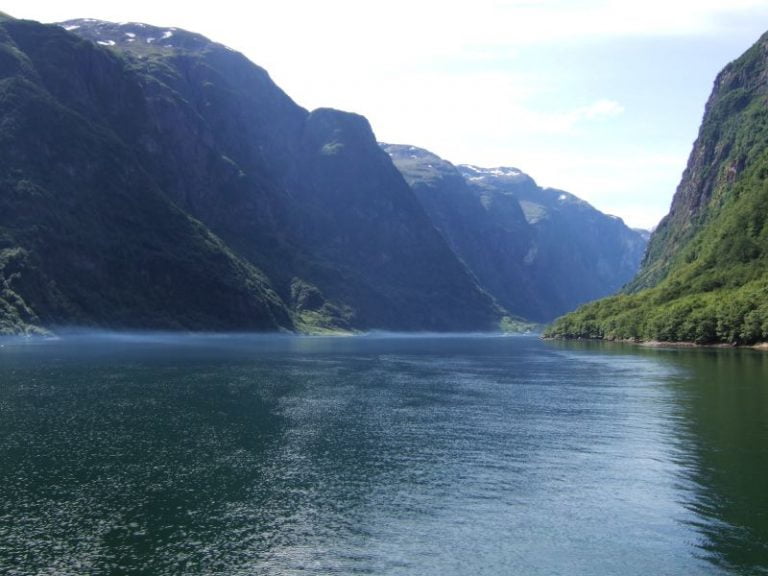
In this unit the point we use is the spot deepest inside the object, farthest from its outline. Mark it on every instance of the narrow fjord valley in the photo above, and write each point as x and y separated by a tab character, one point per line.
539	252
175	224
154	179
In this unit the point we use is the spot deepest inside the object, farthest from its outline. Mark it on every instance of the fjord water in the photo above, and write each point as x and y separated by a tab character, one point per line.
160	454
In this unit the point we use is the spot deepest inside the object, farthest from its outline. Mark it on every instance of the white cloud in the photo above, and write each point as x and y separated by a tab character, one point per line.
555	122
635	184
601	109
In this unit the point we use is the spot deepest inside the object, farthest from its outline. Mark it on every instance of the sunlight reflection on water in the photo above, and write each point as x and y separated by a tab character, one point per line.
161	454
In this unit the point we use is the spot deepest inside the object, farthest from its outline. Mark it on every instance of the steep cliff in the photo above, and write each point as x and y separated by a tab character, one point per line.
153	178
87	237
705	277
539	252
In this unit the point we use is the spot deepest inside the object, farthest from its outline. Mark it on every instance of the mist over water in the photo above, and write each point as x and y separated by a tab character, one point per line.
271	454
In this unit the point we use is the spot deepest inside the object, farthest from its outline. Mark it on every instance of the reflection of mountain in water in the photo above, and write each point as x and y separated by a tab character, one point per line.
724	415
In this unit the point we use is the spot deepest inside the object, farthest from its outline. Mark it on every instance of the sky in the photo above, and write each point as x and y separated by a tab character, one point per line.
602	98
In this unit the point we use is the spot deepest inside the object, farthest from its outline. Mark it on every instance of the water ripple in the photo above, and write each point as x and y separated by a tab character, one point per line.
377	456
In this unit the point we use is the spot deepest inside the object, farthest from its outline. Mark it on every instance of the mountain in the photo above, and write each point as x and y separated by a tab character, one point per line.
87	236
151	178
705	276
540	252
577	253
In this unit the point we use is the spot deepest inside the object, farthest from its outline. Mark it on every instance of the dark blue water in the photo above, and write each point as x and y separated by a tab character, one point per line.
380	455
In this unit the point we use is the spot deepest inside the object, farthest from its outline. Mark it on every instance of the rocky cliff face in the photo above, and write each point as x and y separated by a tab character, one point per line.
153	178
539	252
730	135
366	221
577	253
705	278
87	236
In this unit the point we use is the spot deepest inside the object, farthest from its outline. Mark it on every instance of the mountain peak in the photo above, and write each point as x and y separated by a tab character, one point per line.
137	36
476	172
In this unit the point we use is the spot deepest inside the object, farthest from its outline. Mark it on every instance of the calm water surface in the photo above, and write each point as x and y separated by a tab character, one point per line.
380	455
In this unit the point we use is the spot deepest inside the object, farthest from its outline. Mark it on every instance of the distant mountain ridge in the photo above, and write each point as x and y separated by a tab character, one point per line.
705	276
151	178
539	251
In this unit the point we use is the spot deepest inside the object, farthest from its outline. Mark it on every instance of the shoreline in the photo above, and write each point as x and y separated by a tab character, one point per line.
762	346
661	344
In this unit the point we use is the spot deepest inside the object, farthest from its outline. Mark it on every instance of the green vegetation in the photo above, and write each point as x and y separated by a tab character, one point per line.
705	278
725	316
86	236
313	314
510	325
15	316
